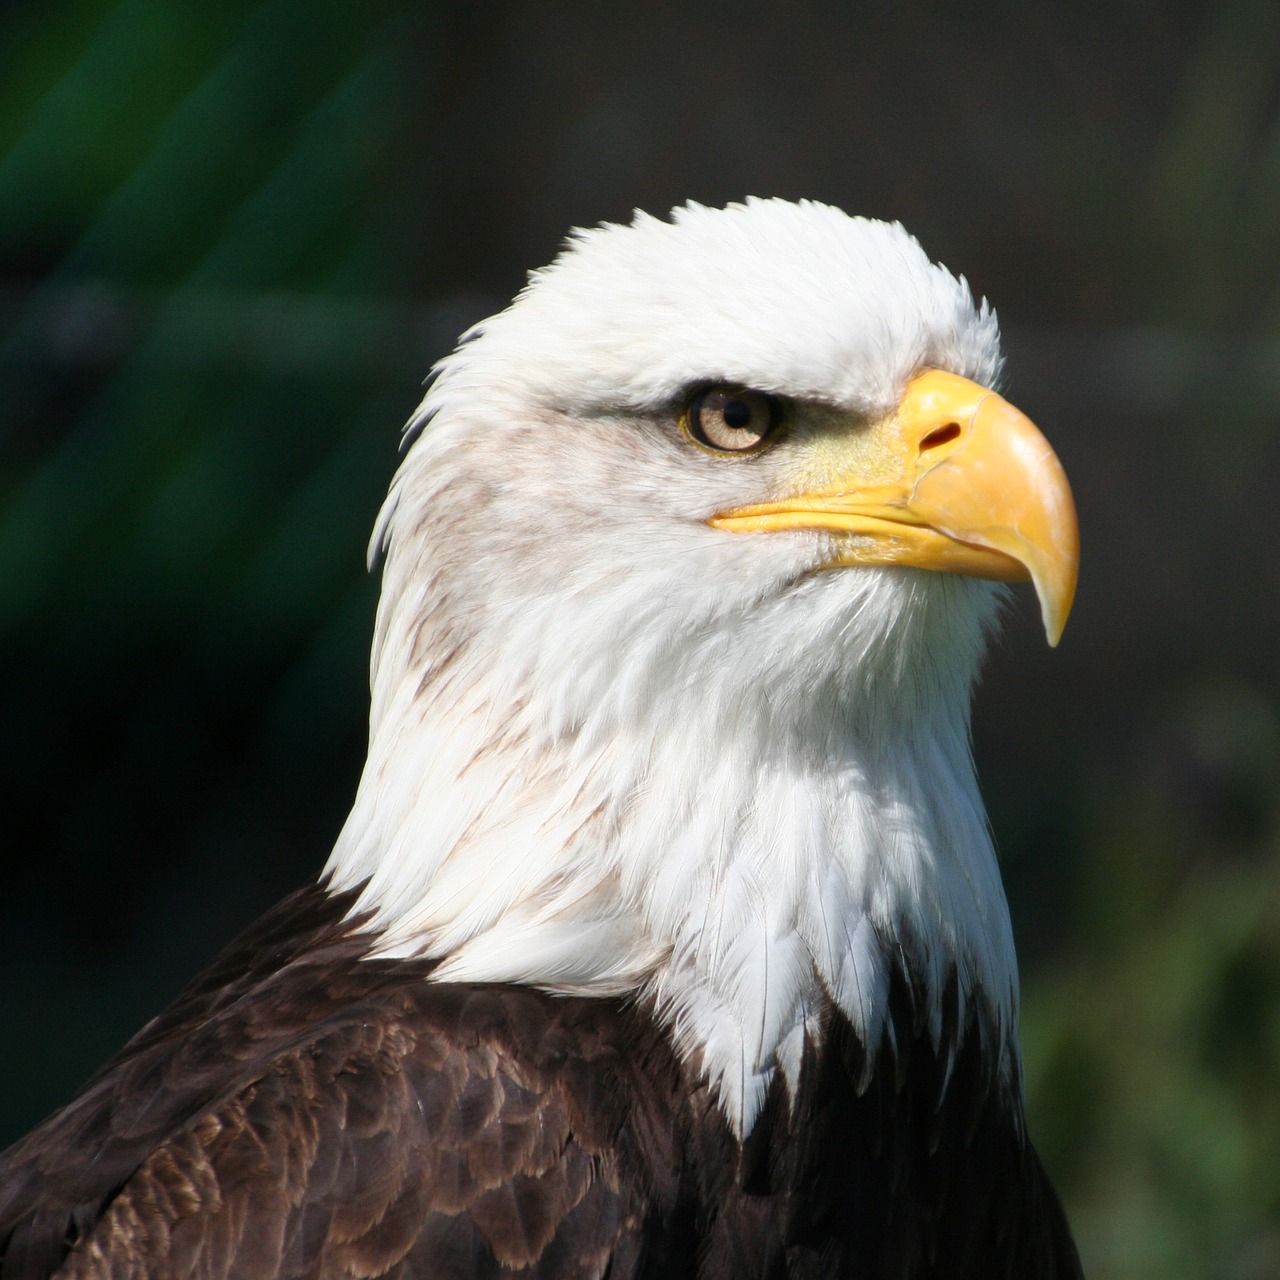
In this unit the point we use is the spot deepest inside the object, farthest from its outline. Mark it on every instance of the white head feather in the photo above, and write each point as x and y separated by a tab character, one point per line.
615	750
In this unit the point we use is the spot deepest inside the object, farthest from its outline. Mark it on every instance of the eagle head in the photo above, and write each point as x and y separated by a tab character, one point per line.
689	567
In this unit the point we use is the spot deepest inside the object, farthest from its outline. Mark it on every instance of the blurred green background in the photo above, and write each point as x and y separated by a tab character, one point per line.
234	237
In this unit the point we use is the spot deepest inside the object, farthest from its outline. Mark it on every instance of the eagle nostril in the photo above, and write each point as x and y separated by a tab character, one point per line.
940	436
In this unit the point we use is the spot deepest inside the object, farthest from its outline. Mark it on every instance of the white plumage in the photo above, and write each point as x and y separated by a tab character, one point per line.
614	749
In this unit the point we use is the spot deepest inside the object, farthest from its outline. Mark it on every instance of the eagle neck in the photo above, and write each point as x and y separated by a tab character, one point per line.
670	808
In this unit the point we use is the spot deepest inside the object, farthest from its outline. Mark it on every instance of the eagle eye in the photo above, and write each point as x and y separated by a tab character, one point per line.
729	419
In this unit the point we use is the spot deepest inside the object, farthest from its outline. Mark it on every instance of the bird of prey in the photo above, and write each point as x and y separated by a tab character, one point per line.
665	937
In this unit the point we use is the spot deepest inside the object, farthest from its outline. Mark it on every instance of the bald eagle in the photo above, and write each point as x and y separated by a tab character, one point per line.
666	936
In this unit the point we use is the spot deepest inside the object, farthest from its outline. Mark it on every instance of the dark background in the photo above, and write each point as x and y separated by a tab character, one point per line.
234	237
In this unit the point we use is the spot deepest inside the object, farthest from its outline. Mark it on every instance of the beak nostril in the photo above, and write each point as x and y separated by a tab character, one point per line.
940	436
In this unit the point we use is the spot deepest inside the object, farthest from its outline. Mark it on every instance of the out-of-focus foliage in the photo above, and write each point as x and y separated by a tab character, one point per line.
232	239
209	337
1153	1038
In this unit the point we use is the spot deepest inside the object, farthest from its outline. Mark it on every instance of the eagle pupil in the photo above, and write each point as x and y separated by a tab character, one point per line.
730	419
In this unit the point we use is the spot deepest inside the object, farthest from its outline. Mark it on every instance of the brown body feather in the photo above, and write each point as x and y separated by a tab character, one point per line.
304	1111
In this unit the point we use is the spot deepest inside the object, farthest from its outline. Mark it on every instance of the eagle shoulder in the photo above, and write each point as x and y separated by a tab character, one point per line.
340	1114
409	1140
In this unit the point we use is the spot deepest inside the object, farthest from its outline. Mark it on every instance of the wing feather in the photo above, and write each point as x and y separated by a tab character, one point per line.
384	1145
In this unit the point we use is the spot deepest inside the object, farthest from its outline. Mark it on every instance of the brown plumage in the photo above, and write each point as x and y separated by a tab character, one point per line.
301	1111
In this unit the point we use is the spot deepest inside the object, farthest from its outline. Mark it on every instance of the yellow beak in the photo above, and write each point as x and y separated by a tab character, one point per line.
955	479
